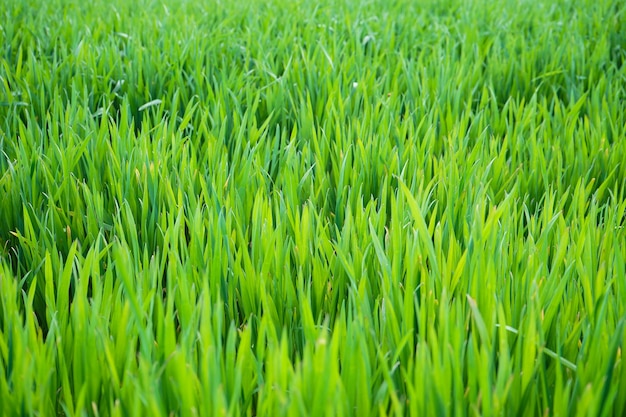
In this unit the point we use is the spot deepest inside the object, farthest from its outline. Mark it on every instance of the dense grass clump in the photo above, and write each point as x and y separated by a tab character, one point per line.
271	208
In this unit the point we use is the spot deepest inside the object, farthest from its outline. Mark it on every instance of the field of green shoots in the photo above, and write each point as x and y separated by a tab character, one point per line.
312	208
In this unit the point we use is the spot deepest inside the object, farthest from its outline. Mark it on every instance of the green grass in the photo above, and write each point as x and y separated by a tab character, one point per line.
271	208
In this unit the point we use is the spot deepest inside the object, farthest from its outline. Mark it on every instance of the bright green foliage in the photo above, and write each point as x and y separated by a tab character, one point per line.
321	208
